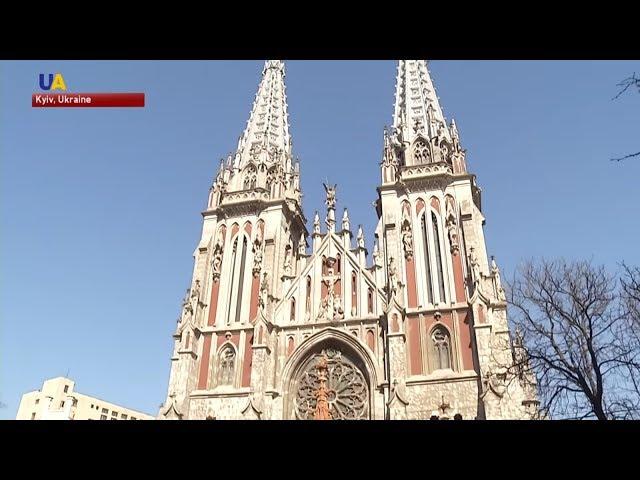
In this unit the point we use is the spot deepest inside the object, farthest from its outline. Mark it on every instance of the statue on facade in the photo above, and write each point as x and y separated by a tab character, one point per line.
452	225
331	195
338	312
495	272
195	296
264	292
475	266
316	223
258	250
287	266
322	393
393	276
187	309
218	250
407	241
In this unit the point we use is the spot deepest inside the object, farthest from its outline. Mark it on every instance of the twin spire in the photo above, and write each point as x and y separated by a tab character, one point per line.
417	110
266	138
267	131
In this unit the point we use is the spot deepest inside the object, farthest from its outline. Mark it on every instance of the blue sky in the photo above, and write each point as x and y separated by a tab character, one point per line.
100	209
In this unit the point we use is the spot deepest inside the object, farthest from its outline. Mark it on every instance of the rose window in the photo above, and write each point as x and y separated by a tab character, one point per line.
340	381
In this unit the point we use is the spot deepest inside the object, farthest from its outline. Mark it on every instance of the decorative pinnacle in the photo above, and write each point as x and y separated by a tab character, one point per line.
331	206
345	220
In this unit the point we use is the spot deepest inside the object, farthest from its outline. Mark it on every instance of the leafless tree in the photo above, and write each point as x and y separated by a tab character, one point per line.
626	84
574	323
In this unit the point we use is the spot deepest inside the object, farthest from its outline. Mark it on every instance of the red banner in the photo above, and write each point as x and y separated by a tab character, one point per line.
87	100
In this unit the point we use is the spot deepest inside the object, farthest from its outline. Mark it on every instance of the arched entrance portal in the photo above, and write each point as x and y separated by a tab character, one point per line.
330	383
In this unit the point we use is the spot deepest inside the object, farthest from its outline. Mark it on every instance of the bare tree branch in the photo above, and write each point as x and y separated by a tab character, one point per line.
575	321
627	83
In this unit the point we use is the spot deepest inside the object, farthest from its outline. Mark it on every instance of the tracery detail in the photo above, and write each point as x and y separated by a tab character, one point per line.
335	381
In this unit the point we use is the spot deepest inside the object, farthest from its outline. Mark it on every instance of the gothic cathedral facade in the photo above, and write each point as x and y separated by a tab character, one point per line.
285	323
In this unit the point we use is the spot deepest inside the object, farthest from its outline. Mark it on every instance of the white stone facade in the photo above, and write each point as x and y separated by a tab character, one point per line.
284	323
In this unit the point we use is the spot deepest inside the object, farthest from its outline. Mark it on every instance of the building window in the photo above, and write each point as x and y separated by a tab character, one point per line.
92	405
66	388
241	279
292	316
237	277
103	417
436	240
33	416
37	401
370	300
307	307
75	402
427	263
354	294
441	348
114	413
226	368
62	404
105	410
133	418
123	416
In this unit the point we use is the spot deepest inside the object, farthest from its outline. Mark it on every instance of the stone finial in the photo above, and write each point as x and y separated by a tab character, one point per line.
345	220
360	237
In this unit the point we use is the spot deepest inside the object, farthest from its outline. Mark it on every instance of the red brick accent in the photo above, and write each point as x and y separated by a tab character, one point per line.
253	306
458	277
412	294
465	339
248	356
395	327
435	203
204	363
290	346
415	355
213	303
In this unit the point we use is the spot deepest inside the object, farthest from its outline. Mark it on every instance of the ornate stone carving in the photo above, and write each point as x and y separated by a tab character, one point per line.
394	281
218	250
494	381
187	308
407	235
264	293
360	237
287	265
316	223
302	245
331	386
475	266
345	221
421	152
451	224
331	206
331	195
258	252
495	272
322	394
376	255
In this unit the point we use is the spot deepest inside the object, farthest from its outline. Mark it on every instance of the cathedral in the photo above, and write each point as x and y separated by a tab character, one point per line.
289	323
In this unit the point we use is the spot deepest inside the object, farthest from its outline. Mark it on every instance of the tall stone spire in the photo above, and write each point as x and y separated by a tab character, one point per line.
266	137
417	109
